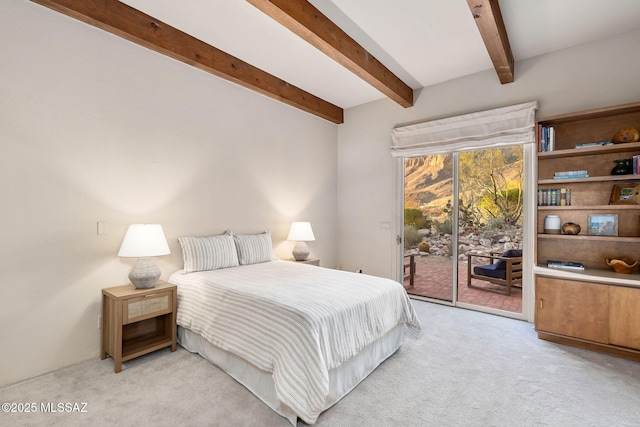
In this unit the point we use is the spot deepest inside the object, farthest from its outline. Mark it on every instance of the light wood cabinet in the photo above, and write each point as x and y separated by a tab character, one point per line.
595	316
624	317
574	309
137	321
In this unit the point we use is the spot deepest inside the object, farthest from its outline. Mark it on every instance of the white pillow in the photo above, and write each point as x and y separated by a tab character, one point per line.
254	248
208	253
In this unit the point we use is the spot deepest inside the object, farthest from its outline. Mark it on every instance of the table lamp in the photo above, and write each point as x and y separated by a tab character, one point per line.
144	241
301	232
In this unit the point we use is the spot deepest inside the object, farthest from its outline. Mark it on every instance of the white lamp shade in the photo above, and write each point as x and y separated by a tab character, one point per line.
301	232
144	240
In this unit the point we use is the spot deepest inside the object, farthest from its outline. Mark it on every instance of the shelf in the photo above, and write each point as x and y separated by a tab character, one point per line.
599	275
591	179
590	151
629	207
594	113
628	239
137	347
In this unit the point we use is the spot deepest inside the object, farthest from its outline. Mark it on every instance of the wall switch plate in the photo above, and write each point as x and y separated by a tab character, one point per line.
103	228
385	225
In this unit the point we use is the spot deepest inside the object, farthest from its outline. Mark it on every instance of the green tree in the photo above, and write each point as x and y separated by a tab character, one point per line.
491	181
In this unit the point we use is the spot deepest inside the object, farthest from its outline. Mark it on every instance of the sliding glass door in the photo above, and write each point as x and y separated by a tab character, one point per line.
428	220
462	211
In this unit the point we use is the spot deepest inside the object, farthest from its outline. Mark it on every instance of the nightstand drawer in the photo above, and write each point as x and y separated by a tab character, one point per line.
147	306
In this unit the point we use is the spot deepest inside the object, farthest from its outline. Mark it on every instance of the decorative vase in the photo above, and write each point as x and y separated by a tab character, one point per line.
571	228
622	167
552	224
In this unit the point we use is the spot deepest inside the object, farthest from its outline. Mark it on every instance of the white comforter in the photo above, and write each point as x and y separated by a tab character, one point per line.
296	321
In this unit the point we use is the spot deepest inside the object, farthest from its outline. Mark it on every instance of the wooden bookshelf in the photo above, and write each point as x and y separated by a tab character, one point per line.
585	308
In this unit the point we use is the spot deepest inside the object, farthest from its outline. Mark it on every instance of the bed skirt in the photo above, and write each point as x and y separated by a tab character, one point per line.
342	379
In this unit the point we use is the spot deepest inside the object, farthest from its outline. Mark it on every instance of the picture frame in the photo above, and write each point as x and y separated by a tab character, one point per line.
602	225
622	194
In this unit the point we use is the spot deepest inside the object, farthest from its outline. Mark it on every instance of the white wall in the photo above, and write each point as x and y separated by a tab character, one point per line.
95	128
597	74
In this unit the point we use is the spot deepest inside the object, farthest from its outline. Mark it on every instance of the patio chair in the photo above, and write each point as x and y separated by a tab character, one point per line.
410	263
505	271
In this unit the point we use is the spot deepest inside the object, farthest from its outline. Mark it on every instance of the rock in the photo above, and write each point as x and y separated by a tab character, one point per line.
470	241
424	232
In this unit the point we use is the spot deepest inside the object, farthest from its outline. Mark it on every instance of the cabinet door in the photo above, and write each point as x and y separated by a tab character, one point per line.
624	317
574	309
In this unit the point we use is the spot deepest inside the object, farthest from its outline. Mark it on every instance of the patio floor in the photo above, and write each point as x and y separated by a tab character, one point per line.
433	280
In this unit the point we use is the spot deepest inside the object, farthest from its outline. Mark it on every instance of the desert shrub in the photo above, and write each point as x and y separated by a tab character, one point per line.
411	237
443	226
415	217
494	225
469	215
424	247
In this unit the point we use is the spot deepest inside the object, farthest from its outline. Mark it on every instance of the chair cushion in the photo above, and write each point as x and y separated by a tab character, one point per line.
492	270
498	269
512	253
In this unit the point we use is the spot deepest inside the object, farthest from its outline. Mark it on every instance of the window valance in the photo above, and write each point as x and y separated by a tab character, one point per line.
510	125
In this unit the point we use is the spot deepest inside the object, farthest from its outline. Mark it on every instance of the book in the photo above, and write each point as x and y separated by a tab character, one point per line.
565	265
636	164
546	138
593	144
570	173
554	197
586	175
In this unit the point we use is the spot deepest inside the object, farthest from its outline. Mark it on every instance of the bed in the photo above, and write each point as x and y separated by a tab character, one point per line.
299	337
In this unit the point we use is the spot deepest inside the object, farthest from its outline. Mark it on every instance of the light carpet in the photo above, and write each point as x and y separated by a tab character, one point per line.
465	369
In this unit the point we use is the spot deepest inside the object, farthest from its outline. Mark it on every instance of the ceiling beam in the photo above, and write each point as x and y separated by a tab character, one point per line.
306	21
489	21
133	25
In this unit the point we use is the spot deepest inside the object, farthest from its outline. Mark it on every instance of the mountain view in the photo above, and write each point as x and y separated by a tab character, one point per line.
490	183
428	181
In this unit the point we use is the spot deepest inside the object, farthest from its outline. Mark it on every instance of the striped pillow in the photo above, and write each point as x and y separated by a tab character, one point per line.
208	253
254	248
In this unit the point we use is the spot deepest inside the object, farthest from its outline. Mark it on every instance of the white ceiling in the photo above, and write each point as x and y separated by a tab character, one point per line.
423	42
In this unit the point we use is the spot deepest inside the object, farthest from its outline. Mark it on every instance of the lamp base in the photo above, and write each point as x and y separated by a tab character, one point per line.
300	251
145	273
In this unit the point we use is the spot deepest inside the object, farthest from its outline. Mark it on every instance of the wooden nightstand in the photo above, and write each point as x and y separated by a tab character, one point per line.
311	261
137	321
